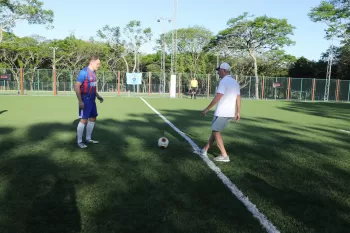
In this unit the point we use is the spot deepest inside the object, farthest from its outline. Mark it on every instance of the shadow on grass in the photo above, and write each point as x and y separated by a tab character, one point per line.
289	173
330	110
56	210
5	130
124	184
3	111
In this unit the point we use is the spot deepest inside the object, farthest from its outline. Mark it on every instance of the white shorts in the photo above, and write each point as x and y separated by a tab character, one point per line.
220	123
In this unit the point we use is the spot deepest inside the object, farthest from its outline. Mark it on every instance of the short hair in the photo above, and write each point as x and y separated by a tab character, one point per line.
94	57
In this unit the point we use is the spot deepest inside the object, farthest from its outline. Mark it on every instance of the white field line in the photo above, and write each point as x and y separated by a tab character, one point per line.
250	206
344	131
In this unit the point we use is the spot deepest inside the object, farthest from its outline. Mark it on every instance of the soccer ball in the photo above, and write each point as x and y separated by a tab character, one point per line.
163	142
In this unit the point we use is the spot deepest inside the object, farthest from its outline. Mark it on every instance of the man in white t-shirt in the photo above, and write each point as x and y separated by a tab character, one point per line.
228	107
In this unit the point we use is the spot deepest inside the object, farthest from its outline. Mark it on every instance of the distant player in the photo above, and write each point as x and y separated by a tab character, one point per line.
228	107
194	88
85	89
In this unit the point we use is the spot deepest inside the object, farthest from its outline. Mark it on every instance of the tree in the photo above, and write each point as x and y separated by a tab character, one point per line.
112	36
136	37
333	17
150	63
255	36
302	68
31	55
191	41
276	63
12	11
342	59
332	13
10	53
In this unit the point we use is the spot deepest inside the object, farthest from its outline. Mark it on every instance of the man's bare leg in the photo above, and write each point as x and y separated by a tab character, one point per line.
210	142
220	143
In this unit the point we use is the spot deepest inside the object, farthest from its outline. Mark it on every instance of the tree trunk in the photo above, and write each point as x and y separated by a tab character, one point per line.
32	81
256	79
126	64
1	34
251	52
135	62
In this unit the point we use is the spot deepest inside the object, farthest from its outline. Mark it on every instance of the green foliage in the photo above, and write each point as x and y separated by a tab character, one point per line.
256	34
276	63
151	63
110	35
190	44
327	12
32	11
343	60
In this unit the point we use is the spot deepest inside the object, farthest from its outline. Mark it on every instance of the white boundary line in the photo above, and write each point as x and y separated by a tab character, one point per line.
344	131
250	206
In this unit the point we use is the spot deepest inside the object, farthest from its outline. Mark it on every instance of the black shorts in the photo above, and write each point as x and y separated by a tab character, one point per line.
194	89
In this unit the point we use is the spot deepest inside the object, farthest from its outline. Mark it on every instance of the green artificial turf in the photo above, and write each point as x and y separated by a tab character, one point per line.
124	184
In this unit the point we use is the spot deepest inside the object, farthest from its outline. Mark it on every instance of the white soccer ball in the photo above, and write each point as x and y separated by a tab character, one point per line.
163	142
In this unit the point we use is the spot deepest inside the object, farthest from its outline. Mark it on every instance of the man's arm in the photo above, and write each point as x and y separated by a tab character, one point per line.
78	83
218	96
238	103
99	97
77	86
238	108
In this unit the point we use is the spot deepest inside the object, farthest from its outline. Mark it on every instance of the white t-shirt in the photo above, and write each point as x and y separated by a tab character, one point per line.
226	107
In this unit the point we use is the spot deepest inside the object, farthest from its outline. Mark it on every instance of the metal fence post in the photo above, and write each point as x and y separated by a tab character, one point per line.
71	80
349	92
54	82
118	83
313	89
149	83
21	81
301	88
38	76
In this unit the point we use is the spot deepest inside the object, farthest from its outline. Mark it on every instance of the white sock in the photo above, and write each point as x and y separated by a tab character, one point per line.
89	127
80	131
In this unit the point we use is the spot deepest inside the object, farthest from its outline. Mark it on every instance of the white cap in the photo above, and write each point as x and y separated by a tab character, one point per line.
224	66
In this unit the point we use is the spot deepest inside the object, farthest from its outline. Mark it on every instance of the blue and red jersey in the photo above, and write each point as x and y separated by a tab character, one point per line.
88	79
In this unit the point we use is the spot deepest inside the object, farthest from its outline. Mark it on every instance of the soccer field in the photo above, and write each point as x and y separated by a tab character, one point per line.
291	159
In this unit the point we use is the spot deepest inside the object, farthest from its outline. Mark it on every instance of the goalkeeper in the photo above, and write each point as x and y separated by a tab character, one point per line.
85	89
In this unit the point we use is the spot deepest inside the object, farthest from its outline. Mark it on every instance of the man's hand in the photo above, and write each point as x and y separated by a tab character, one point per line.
204	112
237	116
99	98
81	104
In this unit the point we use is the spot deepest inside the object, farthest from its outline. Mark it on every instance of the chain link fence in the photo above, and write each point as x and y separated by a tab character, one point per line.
114	83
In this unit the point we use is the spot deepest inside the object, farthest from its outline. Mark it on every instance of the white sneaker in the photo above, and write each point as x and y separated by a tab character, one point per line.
222	158
82	145
203	152
91	141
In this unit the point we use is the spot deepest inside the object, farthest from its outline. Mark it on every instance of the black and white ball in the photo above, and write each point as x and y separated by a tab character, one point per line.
163	142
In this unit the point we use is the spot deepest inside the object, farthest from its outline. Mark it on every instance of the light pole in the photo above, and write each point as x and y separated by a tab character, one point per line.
54	70
54	57
163	49
174	39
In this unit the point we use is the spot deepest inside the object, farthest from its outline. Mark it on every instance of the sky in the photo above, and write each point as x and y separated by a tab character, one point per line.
85	17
